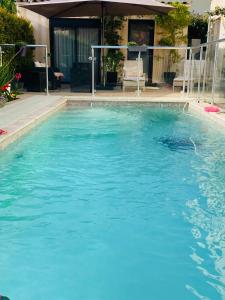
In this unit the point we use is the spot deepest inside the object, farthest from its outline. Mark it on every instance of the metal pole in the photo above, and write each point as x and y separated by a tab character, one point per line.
46	69
184	76
103	41
93	71
192	67
138	79
214	72
205	70
189	72
200	72
1	56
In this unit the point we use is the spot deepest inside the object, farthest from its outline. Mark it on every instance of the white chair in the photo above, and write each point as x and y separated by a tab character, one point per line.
189	73
132	72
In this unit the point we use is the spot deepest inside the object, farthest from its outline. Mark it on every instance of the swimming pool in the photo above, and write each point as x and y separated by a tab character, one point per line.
114	203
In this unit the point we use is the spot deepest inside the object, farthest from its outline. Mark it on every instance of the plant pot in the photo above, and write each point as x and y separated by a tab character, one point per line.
111	78
169	77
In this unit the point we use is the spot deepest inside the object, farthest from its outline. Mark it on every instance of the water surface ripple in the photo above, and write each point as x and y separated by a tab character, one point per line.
114	203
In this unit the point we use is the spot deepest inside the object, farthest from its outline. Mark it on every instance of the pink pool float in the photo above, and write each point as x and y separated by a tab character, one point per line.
2	131
212	108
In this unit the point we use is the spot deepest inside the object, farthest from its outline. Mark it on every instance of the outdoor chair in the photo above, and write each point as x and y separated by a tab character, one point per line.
35	79
132	72
194	68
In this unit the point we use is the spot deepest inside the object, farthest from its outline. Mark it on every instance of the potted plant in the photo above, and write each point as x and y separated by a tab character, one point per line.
173	25
114	57
113	65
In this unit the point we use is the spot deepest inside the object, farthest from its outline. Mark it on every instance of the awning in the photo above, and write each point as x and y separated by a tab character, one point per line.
82	8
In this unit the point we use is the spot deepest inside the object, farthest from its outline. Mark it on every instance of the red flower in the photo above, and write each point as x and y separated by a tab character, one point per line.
4	87
18	76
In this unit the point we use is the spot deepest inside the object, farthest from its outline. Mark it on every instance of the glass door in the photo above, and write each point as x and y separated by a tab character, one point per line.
81	70
142	33
64	51
71	51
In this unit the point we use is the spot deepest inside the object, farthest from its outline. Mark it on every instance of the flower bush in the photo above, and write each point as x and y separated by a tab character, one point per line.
9	80
10	90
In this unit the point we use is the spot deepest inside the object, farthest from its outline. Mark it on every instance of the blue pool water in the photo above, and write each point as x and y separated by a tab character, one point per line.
114	203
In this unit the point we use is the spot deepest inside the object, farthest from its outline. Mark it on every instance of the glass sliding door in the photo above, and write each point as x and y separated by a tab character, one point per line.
71	42
64	50
85	38
81	70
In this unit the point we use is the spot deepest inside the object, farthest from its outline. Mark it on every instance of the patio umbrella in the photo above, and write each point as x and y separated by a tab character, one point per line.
96	8
88	8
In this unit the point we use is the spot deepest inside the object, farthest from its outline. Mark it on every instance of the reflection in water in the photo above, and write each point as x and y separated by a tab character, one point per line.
207	215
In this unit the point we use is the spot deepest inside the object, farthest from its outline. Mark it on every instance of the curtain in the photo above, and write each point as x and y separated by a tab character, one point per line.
86	37
64	50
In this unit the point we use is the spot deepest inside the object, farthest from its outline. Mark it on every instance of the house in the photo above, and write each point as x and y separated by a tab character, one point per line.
70	40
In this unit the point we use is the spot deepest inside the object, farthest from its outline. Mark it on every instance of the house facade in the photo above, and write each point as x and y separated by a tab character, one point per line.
70	39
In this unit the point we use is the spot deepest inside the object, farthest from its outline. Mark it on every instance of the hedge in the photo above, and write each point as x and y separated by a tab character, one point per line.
16	30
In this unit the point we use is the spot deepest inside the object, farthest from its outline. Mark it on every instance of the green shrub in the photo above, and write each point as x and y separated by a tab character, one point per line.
174	24
114	57
9	5
16	30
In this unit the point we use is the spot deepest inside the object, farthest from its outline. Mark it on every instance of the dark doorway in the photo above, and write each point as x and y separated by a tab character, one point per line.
142	32
71	41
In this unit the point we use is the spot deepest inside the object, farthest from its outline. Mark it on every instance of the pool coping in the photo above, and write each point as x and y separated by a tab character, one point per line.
21	126
24	124
212	118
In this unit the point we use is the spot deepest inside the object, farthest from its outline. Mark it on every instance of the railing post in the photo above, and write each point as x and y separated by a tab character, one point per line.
46	69
214	72
205	71
138	80
200	72
184	80
1	61
192	69
93	71
189	72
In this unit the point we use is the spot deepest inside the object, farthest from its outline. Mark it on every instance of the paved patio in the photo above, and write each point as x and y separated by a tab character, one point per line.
19	116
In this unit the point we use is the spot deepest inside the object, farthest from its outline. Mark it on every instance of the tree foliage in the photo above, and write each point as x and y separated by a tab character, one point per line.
16	30
112	26
9	5
173	25
219	11
114	57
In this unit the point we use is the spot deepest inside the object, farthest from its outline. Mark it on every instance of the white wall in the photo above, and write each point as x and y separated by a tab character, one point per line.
41	31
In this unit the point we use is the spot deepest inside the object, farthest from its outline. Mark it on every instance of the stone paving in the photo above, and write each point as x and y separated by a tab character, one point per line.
19	116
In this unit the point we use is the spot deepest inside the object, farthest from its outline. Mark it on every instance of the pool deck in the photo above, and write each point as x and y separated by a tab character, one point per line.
19	116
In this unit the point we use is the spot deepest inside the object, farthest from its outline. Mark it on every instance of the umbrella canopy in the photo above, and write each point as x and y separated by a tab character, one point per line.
86	8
